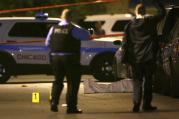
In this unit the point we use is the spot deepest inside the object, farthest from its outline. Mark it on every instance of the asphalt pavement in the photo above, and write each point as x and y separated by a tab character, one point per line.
16	102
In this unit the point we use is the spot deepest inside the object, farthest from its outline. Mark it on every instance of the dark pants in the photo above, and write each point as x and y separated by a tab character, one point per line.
69	67
142	82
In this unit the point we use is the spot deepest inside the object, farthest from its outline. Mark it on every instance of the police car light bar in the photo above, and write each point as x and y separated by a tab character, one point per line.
41	15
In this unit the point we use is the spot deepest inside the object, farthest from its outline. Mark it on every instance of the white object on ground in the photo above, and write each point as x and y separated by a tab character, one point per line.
122	86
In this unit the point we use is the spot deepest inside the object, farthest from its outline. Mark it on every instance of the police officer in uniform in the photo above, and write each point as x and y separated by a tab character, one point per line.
64	42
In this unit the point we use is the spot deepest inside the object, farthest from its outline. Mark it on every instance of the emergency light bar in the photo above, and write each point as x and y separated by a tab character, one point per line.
41	15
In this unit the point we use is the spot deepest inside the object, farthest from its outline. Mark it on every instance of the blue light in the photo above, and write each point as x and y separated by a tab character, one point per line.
41	15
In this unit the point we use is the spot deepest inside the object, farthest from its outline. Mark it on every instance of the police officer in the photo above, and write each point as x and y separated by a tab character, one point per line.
142	45
64	42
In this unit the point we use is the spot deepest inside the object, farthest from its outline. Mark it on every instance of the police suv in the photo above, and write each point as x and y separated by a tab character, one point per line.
22	49
110	23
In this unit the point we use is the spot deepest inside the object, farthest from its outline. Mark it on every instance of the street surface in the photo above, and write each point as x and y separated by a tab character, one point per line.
16	102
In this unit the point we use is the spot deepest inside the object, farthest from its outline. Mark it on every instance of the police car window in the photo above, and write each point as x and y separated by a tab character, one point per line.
89	24
119	25
30	29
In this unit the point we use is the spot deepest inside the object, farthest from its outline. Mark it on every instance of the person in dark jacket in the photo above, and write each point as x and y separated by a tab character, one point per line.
64	42
141	48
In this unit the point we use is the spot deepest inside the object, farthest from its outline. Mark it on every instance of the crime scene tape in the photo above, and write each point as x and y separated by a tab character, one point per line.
109	35
55	6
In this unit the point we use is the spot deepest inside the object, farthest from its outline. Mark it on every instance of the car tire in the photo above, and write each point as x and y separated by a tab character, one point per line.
102	68
4	72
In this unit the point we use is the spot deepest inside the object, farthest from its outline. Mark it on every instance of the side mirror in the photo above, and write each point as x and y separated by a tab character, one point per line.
91	31
117	42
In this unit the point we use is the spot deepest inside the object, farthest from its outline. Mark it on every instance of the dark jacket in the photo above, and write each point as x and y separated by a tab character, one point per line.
141	37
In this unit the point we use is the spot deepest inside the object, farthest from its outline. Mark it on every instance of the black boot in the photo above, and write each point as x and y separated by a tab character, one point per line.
74	110
136	108
53	106
149	108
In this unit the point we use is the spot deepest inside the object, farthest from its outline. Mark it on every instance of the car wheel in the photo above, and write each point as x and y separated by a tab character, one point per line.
4	72
102	68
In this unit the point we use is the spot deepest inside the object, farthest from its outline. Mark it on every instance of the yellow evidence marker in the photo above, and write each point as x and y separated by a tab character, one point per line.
35	97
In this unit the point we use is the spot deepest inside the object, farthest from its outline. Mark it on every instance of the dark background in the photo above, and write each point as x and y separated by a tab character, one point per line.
121	6
132	3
